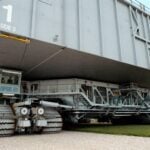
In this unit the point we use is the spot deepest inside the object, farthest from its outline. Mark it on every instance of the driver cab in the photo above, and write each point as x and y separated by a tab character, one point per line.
10	82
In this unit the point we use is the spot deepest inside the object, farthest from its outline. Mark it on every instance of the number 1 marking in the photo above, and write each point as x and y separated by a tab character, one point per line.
9	9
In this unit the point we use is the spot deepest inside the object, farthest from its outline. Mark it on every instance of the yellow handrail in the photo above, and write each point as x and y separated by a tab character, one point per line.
20	39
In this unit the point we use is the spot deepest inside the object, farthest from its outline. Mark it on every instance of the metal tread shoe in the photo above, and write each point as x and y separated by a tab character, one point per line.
54	121
7	121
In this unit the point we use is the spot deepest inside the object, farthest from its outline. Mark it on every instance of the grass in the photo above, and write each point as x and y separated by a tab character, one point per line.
131	130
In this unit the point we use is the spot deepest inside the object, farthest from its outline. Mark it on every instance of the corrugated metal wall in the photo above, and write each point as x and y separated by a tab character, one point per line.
113	29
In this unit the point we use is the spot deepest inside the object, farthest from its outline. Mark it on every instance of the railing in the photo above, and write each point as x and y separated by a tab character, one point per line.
139	5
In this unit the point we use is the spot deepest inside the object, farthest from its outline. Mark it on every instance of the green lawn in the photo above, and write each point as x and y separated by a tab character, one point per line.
134	130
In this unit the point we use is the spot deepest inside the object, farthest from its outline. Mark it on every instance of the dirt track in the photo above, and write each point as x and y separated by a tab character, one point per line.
74	141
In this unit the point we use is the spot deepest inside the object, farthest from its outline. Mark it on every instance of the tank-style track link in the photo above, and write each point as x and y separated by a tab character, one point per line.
7	121
54	121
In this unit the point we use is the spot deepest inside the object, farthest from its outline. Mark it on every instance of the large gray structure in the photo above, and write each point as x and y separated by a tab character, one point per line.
101	40
107	40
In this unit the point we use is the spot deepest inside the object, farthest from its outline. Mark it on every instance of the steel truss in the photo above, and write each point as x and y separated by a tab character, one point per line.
90	99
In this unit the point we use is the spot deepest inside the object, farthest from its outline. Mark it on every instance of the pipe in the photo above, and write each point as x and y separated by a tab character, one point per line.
55	105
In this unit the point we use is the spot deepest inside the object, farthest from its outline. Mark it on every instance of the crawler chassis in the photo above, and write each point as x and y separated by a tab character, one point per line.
44	106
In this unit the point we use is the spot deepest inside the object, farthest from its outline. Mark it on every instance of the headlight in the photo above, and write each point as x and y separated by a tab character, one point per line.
40	111
24	111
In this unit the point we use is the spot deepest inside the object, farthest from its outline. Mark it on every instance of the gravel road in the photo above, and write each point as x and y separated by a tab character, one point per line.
74	141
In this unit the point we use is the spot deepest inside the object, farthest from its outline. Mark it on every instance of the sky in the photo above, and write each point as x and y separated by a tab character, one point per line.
145	2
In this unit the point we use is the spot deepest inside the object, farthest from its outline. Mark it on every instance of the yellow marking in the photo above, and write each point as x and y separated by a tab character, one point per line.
20	39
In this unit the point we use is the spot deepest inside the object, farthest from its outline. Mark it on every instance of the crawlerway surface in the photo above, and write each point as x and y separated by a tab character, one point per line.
67	140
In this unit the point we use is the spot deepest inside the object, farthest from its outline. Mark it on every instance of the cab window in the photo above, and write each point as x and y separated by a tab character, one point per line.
9	78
